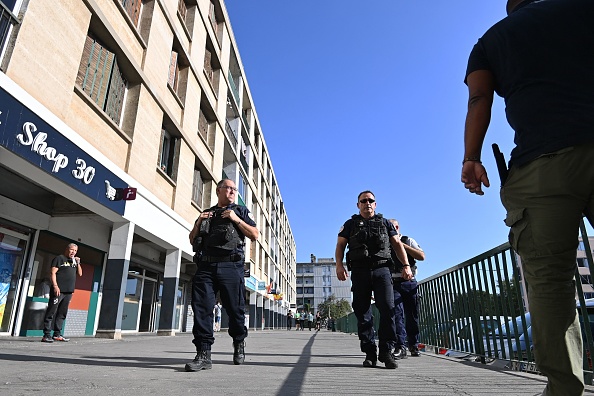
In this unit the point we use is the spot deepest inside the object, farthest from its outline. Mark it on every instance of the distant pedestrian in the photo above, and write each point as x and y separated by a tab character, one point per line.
302	319
217	316
63	273
310	320
318	320
289	320
297	320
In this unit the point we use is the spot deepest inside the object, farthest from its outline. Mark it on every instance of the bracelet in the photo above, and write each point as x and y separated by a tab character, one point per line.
473	159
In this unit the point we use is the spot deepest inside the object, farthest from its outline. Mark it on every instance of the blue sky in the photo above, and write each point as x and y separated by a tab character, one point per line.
355	95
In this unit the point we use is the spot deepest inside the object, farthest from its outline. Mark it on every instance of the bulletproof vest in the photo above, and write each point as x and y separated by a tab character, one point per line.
411	259
222	233
369	241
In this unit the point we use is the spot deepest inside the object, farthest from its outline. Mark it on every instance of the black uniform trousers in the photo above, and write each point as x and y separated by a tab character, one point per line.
211	278
379	281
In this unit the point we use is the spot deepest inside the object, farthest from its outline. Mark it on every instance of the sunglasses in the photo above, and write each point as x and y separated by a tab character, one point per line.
370	200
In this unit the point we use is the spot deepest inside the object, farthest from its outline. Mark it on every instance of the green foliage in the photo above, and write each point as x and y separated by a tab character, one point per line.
334	307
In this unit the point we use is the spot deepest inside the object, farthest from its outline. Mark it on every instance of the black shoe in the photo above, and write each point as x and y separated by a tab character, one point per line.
47	338
370	359
414	351
201	362
238	352
387	358
400	353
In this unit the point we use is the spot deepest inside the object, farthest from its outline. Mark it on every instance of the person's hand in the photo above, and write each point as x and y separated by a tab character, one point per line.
474	175
231	215
56	290
407	272
341	272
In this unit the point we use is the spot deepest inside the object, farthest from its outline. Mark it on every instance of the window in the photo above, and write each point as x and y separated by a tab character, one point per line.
178	74
168	154
132	8
198	188
206	124
99	76
215	21
212	66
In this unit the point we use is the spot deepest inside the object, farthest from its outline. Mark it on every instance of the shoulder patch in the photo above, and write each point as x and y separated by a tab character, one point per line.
251	216
341	228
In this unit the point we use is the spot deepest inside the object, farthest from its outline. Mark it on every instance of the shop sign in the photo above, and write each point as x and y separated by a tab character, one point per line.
27	135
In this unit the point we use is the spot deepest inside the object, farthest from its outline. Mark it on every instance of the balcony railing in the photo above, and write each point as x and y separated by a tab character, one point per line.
234	87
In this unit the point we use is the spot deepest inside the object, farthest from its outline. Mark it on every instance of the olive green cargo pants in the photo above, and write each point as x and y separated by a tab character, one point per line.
545	200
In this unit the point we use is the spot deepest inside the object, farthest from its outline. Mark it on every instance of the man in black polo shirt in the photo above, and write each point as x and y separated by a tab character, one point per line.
540	59
220	259
63	278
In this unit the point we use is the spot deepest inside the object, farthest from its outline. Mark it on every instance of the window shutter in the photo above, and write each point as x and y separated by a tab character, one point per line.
117	90
175	161
173	71
132	8
202	124
95	71
182	9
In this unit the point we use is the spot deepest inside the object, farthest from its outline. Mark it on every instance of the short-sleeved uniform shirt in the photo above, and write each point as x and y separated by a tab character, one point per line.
542	58
66	275
244	214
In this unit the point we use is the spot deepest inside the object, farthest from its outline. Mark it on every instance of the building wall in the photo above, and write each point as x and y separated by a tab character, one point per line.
41	60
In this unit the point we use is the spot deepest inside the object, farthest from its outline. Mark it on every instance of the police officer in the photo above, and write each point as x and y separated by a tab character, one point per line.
369	236
218	238
406	297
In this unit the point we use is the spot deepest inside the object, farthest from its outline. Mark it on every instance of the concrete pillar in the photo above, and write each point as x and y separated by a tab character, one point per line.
167	325
252	309
114	281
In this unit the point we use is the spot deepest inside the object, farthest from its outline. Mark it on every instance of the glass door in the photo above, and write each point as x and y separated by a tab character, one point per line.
12	252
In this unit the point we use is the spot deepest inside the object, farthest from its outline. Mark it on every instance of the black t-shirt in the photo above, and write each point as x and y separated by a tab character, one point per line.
66	275
542	57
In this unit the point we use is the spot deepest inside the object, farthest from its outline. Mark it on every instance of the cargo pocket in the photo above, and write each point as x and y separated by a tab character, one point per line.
516	221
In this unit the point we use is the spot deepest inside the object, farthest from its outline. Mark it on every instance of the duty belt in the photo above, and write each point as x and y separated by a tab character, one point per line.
370	265
220	259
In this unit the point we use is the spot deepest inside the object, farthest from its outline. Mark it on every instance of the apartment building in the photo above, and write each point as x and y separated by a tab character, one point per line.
117	119
316	281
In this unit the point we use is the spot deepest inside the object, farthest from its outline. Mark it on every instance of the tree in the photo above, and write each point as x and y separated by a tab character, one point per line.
334	307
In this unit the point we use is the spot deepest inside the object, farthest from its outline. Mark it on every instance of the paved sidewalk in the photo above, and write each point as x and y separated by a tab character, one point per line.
277	362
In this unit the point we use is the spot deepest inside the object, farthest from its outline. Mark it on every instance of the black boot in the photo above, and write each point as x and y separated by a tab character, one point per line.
201	362
370	359
238	352
387	358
